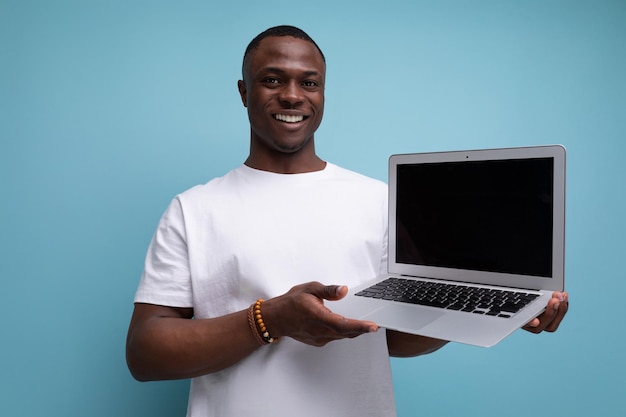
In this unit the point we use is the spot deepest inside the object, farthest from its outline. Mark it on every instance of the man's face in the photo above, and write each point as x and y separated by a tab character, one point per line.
283	89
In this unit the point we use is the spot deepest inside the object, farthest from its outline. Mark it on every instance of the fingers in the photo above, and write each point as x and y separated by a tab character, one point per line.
344	326
560	310
551	318
340	324
302	315
532	326
334	327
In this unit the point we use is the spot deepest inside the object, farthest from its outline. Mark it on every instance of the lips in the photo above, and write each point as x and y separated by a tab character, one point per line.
289	118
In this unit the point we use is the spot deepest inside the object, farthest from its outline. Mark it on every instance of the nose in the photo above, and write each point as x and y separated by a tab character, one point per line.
291	95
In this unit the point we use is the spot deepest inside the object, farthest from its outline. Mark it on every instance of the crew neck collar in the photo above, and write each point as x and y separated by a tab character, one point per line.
269	174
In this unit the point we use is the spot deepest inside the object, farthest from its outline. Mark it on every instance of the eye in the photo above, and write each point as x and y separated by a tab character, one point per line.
310	84
271	81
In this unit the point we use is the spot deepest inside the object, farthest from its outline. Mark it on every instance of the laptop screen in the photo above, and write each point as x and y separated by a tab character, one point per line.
489	215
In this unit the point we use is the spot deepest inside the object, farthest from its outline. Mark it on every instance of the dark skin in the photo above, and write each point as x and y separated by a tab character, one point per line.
283	90
283	79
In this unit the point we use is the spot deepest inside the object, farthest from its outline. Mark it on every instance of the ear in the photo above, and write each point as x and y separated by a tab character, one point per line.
241	85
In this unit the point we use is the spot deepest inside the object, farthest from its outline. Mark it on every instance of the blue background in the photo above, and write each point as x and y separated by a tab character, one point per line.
108	109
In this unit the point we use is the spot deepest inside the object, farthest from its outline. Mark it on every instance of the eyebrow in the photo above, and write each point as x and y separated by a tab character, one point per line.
308	73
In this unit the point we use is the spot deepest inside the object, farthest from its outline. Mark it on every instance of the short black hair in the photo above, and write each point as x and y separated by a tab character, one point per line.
283	30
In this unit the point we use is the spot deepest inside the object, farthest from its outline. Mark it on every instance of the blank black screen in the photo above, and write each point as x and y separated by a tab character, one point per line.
481	215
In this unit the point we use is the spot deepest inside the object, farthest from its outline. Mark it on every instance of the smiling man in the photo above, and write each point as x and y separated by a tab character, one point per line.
283	89
270	230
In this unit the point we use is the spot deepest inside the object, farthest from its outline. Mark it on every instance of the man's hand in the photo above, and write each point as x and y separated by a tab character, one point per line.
164	343
550	319
302	315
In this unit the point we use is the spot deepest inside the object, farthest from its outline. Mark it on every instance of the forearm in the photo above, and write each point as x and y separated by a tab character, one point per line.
169	347
404	345
165	343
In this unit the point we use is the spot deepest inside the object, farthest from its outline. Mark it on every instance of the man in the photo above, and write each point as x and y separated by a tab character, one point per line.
271	229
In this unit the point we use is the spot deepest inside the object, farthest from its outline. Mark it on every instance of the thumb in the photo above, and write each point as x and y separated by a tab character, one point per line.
334	292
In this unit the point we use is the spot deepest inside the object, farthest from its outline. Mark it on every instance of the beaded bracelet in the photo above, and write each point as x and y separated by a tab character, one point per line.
254	313
255	331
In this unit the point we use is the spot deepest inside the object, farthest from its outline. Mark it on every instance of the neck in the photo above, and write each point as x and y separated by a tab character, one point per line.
287	165
282	162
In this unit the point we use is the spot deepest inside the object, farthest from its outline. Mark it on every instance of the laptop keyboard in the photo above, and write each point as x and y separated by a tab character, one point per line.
477	300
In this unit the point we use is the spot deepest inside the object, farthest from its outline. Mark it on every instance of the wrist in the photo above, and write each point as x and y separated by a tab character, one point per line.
258	325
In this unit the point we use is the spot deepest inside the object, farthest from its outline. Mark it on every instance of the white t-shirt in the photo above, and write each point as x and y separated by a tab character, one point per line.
254	234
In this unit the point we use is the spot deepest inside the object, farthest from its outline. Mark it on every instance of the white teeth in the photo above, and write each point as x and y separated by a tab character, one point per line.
289	118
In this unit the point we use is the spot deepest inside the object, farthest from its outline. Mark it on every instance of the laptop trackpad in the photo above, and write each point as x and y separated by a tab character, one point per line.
403	317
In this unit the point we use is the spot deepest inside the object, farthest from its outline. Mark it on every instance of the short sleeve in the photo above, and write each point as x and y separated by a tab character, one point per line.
166	277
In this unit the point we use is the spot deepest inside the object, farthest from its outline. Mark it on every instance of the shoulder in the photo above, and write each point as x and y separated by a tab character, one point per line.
213	187
347	173
357	179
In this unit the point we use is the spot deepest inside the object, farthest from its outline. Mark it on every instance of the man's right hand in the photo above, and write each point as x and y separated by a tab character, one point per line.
301	314
164	343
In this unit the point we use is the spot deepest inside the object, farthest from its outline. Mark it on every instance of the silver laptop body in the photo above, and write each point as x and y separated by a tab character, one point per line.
492	219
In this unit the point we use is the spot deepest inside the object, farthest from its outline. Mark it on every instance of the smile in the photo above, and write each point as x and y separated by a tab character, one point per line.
288	118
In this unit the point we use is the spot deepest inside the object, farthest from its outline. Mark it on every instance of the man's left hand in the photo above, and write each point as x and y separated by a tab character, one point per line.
550	319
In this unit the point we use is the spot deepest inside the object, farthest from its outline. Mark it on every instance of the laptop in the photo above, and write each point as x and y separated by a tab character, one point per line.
476	244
